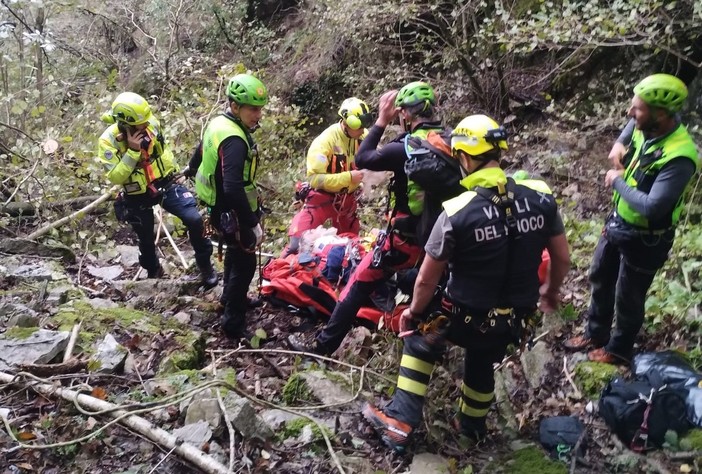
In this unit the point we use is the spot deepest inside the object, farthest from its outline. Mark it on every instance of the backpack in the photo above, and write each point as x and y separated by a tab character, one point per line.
430	165
641	411
560	434
299	285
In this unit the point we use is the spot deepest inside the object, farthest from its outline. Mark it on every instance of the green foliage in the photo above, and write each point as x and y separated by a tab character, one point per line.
568	312
259	335
528	461
677	289
293	429
296	390
17	332
592	377
692	441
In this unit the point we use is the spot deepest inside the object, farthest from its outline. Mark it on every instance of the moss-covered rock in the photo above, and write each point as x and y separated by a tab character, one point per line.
296	390
187	349
592	377
190	354
294	428
17	332
527	460
692	441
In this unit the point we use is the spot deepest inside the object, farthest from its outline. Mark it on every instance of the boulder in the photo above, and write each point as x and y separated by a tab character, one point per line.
245	419
30	346
206	408
326	390
109	356
534	363
196	434
427	463
30	247
106	273
128	255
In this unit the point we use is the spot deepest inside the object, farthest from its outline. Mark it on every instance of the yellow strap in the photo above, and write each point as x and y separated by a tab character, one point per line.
477	396
411	386
414	363
474	412
503	311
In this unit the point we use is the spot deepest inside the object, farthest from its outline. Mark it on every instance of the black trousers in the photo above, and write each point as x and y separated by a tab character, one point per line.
484	346
177	200
239	270
622	270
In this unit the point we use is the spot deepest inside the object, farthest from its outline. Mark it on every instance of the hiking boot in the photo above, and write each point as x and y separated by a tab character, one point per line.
155	273
235	328
251	303
603	356
474	430
208	276
297	344
578	343
394	433
254	302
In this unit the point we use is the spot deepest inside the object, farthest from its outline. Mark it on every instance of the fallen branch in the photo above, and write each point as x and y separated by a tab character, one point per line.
230	352
29	175
684	455
79	214
70	366
655	465
71	342
227	420
136	423
14	209
576	448
570	378
519	351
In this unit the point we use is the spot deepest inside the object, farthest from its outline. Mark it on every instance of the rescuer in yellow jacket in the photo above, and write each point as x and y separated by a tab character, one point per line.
332	174
134	154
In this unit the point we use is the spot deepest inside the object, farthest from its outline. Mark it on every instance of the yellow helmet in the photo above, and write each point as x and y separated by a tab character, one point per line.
477	134
131	109
355	113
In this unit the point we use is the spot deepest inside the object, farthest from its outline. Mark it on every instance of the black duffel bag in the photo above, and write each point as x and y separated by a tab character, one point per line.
641	411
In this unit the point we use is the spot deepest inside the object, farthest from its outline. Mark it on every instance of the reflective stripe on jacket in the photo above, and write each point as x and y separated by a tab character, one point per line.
124	166
330	160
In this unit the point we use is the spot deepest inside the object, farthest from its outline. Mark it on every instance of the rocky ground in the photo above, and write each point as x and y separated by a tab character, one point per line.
153	347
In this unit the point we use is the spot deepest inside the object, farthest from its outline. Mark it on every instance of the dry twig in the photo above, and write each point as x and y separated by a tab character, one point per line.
79	214
72	342
570	378
228	421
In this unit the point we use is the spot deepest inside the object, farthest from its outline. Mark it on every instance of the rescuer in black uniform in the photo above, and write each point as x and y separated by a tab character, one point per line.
491	238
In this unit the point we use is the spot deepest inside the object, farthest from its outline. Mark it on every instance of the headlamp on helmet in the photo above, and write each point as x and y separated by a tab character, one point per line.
478	134
131	108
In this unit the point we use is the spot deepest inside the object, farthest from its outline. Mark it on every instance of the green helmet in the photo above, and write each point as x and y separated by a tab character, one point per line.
245	89
415	93
662	90
131	108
